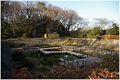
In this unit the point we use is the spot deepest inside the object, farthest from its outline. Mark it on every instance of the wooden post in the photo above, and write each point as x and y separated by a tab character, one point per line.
106	51
78	64
63	62
110	51
83	63
79	48
94	49
87	55
45	36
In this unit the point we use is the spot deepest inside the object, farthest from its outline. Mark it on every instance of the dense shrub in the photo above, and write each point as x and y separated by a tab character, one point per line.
18	56
25	35
20	60
114	30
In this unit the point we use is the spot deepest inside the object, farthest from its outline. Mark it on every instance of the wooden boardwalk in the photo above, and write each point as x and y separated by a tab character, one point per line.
43	50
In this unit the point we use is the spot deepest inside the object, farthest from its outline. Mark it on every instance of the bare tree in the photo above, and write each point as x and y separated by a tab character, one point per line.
39	17
102	22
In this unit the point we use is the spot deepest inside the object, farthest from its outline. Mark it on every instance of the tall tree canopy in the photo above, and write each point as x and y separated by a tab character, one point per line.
35	19
114	30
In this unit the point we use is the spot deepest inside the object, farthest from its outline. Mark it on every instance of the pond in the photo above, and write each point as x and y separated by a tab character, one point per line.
59	49
53	59
51	56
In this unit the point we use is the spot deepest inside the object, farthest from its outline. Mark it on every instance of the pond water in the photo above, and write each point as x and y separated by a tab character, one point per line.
53	59
51	56
53	49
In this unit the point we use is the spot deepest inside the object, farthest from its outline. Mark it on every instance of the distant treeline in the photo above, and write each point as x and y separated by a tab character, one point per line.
33	19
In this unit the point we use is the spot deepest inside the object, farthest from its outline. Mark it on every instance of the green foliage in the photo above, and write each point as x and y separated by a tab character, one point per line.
94	32
6	30
114	30
74	34
84	34
90	35
25	35
79	33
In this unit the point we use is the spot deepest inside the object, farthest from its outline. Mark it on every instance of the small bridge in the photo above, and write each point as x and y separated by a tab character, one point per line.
43	50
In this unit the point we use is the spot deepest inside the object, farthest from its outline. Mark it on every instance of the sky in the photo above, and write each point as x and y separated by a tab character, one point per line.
92	9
